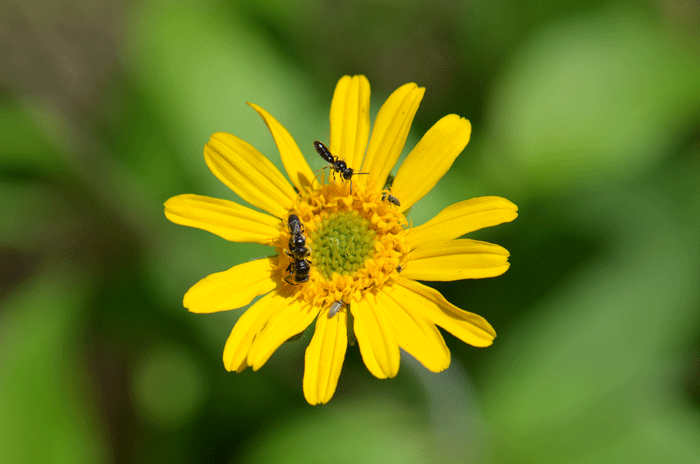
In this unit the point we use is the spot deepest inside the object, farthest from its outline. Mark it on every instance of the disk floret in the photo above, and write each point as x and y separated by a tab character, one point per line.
356	242
343	242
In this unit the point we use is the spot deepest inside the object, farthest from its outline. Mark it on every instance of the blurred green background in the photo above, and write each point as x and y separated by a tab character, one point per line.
585	114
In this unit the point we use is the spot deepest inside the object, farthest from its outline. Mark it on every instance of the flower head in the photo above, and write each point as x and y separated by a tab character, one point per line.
352	253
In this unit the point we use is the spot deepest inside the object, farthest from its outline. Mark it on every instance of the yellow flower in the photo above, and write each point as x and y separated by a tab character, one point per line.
363	255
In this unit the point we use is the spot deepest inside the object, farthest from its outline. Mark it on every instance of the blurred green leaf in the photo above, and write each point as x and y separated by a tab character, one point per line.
592	99
571	377
664	428
370	431
23	144
23	224
168	386
47	405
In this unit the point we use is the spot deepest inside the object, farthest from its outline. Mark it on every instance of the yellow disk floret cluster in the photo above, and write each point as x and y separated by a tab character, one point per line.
357	242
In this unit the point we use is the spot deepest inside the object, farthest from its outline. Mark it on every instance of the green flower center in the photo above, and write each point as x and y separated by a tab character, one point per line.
342	243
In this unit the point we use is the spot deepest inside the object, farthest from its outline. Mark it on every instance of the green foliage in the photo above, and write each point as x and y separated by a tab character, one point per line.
46	392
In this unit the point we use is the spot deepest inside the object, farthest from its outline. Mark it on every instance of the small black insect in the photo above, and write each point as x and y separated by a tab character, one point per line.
399	268
299	268
299	271
297	246
391	199
335	308
337	165
297	252
297	242
295	225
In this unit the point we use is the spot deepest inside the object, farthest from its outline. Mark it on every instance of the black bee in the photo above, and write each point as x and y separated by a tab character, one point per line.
337	165
335	307
297	242
299	271
295	225
299	268
391	199
297	247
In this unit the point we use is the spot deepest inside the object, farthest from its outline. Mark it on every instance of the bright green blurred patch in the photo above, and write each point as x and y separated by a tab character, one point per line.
599	359
47	403
168	387
372	431
593	99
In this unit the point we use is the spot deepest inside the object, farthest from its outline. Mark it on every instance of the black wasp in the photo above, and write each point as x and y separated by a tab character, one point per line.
299	268
337	165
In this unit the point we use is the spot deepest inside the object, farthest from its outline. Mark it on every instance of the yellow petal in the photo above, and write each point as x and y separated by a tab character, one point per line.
417	336
378	345
430	159
456	260
324	358
248	173
390	132
350	120
247	327
468	327
223	218
288	321
294	162
231	289
462	218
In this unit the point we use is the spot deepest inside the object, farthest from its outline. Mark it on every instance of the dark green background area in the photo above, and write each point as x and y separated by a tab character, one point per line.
584	114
